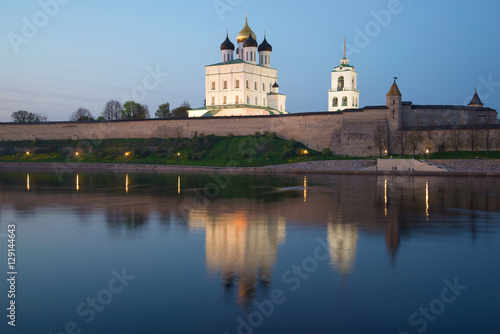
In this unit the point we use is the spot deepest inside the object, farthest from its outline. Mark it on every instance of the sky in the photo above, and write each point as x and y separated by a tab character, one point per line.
59	55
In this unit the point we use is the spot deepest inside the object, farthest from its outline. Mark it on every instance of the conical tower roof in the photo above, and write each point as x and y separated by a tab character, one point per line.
394	91
476	101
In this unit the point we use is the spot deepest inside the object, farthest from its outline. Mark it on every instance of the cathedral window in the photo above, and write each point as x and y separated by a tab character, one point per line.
248	85
341	83
255	85
213	85
237	84
263	87
335	102
225	84
344	101
248	99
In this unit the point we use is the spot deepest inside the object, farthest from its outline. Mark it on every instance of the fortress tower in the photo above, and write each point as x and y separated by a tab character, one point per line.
343	93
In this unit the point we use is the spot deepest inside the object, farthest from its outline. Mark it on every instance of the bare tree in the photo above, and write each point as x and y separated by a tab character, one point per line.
81	115
402	139
441	140
379	137
112	110
488	139
23	116
473	135
456	140
414	138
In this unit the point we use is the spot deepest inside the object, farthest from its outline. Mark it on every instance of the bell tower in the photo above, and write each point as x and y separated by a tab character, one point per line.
343	93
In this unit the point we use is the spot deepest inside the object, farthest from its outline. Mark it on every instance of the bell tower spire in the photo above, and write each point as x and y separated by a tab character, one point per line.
344	46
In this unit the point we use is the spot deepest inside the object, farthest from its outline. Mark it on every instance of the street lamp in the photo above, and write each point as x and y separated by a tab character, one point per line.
428	155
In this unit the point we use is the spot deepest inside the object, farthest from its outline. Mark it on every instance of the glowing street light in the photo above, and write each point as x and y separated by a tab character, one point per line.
179	154
77	154
306	152
428	155
127	154
27	152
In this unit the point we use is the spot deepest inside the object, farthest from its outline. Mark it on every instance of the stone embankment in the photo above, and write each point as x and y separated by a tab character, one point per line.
469	165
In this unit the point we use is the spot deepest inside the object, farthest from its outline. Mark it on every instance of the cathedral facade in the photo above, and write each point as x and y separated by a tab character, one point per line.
244	84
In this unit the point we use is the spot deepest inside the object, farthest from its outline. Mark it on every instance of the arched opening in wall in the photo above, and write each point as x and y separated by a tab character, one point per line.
344	101
251	56
393	111
335	102
224	57
393	101
353	84
213	85
340	85
256	101
248	85
213	100
237	99
225	84
255	85
225	100
247	56
266	58
263	87
237	84
248	99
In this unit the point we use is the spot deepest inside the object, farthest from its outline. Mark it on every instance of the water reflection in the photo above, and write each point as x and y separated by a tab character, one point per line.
77	183
126	183
28	181
427	200
241	248
305	189
342	242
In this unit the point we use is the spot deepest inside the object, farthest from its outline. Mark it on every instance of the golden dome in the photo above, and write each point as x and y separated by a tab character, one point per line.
245	32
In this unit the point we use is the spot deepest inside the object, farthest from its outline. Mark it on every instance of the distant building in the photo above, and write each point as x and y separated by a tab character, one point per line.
245	85
343	93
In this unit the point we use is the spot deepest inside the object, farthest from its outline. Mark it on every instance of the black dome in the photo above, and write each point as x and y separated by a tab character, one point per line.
227	45
276	85
265	46
250	42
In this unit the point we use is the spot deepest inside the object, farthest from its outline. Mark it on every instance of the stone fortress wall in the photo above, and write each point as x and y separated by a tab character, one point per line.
345	133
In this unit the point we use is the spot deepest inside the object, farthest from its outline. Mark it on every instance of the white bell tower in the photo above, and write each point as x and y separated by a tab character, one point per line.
343	93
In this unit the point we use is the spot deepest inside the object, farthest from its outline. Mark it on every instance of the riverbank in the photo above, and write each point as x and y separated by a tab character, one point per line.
456	167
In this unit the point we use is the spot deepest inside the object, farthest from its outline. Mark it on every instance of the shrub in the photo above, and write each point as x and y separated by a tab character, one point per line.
326	152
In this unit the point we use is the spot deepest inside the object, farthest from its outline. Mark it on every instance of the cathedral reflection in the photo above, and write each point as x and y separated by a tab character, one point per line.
241	247
342	242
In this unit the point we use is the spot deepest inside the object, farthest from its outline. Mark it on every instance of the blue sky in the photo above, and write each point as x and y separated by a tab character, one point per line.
86	52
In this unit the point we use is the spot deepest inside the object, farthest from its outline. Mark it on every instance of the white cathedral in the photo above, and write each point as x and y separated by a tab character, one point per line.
344	93
241	86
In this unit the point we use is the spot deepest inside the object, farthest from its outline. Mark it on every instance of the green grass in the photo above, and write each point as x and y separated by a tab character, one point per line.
243	151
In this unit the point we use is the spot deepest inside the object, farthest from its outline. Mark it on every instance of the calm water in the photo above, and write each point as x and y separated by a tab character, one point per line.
147	253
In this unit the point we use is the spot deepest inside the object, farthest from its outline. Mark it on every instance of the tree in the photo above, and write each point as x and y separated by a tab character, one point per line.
134	110
473	132
414	139
23	116
488	140
402	139
379	137
181	111
112	110
441	140
40	118
456	140
81	115
163	111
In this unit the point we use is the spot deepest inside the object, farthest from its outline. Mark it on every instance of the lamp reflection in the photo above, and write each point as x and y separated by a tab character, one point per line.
77	182
305	189
385	197
28	181
126	183
427	200
178	185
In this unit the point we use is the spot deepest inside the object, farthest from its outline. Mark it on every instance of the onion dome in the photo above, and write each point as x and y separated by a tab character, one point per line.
265	46
227	45
276	85
245	32
250	42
